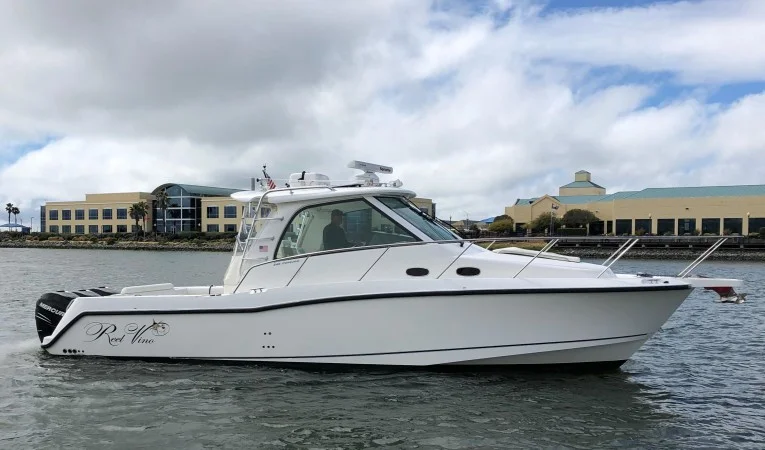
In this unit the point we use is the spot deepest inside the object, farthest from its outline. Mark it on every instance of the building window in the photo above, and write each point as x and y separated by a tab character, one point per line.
79	229
66	214
756	224
229	212
79	214
133	229
107	214
92	229
229	228
643	224
623	226
54	229
93	214
121	213
665	227
121	228
53	214
212	212
66	229
686	227
710	226
734	225
106	228
213	228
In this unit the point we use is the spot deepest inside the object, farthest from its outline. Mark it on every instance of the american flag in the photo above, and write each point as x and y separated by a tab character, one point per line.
271	184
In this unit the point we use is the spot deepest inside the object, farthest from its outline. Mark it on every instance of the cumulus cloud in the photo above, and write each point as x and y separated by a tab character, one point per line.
473	106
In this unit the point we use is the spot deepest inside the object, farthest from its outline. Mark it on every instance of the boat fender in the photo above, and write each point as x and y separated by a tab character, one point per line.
52	306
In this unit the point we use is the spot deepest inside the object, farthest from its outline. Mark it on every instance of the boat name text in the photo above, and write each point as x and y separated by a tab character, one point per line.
138	334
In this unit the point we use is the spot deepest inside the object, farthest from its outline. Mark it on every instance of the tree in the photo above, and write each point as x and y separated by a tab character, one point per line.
542	222
9	208
138	212
579	218
162	204
502	226
15	211
502	217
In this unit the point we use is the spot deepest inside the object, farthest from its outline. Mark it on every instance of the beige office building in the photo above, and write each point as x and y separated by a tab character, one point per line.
714	210
97	214
190	208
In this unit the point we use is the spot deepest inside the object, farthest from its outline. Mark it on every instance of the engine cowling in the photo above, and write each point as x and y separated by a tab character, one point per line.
52	306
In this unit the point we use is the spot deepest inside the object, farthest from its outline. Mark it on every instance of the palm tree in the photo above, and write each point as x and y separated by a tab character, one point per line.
146	210
15	212
162	204
9	208
137	212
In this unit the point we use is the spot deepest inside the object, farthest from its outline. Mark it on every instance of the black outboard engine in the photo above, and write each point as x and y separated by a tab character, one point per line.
51	307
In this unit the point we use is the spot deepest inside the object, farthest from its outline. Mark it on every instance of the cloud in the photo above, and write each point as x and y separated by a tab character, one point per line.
473	106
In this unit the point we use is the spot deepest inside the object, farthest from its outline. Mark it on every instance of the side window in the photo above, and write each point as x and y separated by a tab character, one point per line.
339	225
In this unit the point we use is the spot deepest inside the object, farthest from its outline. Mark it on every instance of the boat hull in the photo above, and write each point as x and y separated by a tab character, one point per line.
590	325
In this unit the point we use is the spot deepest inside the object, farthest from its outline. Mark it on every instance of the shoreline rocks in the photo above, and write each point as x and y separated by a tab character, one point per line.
225	246
197	246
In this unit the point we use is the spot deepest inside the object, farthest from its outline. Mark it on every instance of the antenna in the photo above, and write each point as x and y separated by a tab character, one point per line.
369	177
370	167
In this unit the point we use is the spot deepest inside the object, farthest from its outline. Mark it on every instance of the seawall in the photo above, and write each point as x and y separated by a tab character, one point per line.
723	254
197	246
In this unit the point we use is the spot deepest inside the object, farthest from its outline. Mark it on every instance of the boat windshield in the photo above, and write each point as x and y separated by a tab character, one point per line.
418	219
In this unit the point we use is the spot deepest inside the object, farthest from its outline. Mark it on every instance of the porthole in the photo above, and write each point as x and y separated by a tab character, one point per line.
468	271
417	271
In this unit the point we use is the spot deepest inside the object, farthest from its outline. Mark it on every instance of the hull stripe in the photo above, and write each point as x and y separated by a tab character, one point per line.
349	355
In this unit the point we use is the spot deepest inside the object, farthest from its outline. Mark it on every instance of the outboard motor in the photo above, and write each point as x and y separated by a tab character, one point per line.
51	307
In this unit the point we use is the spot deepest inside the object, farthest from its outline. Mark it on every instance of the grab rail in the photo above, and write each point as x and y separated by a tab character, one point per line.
685	272
617	251
547	247
617	258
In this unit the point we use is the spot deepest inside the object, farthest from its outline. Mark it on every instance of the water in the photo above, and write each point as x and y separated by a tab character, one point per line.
698	383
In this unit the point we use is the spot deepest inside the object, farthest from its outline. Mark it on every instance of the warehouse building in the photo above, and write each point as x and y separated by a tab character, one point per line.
717	210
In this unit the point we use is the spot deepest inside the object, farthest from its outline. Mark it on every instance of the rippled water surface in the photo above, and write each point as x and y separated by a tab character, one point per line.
698	383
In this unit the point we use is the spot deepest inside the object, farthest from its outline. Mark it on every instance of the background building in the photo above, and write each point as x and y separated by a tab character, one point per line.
98	213
189	208
195	208
661	211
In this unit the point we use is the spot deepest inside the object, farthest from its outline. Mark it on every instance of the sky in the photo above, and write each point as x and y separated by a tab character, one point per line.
474	103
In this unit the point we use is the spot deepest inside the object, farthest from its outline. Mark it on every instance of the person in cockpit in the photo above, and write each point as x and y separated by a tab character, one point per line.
334	234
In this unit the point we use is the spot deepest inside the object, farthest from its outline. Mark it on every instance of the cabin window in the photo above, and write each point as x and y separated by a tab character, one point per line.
418	219
355	223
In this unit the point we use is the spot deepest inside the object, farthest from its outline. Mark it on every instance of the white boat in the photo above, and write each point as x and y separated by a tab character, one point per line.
398	289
